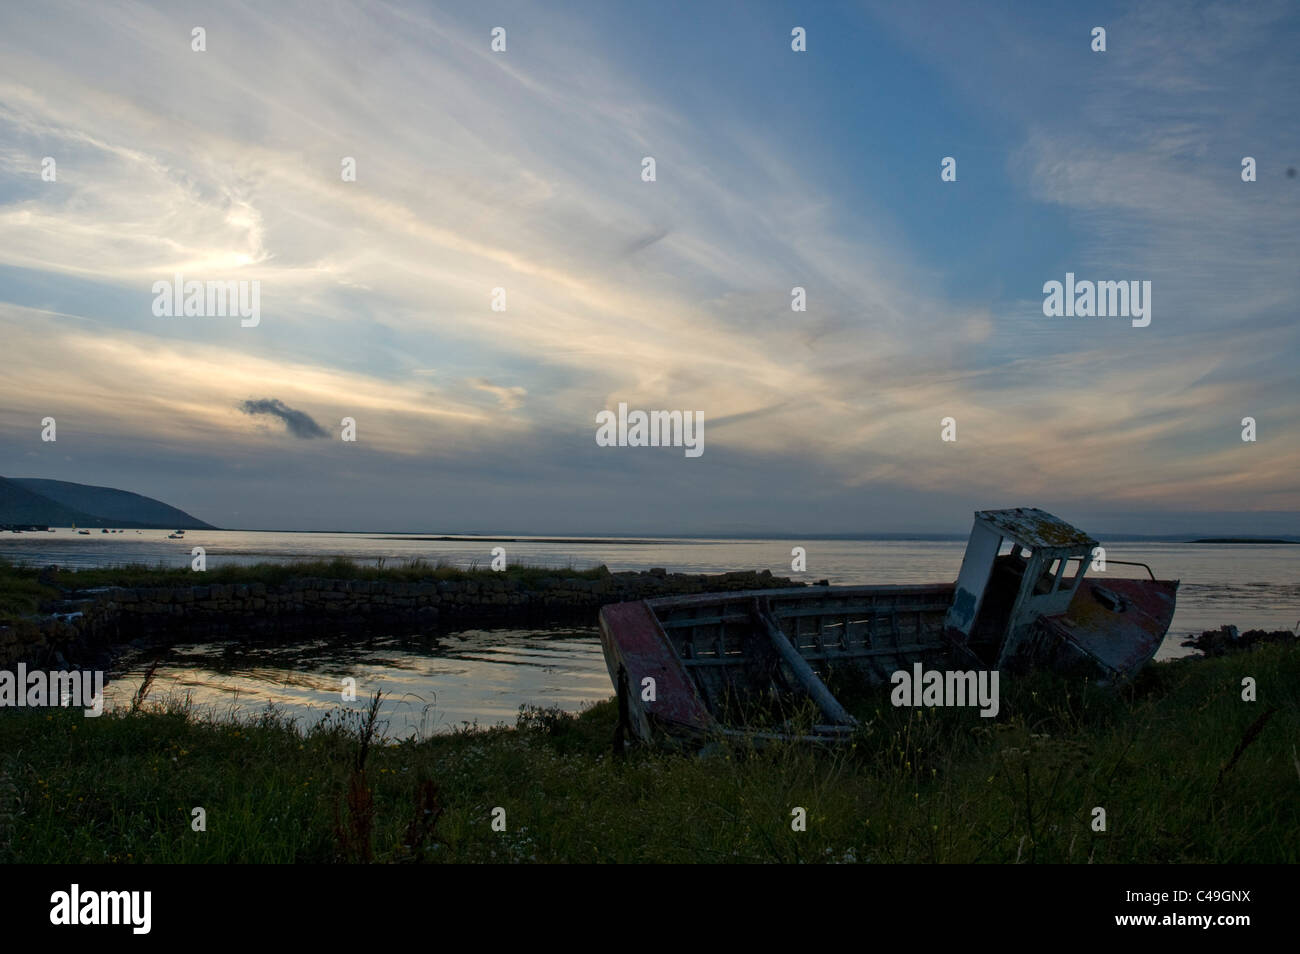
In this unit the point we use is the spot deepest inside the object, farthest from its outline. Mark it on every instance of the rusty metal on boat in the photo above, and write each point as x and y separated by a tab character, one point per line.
705	664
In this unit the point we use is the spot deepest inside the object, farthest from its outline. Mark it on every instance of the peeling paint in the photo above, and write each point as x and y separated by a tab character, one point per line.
1036	528
963	608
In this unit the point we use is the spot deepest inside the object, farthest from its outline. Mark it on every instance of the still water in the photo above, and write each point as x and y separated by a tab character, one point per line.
430	684
437	682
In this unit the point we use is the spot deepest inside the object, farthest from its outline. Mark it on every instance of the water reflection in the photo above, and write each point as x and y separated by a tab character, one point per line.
431	683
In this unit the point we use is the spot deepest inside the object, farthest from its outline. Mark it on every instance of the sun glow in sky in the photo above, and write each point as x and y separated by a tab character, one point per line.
521	170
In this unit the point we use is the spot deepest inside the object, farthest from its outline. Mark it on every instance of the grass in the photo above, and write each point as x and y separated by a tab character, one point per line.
22	592
1184	769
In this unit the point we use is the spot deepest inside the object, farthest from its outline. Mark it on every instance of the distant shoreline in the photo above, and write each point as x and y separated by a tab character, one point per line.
653	539
478	539
1244	540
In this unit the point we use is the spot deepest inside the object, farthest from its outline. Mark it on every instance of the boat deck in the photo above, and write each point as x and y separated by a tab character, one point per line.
744	659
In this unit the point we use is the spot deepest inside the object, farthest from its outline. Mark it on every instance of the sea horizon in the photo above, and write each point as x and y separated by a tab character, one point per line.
631	538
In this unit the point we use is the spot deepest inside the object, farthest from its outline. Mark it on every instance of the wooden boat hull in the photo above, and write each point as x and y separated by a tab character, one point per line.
691	667
707	654
637	649
1112	629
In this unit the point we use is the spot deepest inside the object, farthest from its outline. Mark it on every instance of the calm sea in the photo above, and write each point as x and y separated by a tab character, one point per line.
444	680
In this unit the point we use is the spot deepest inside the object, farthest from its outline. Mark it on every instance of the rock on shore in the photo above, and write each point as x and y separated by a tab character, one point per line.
1227	639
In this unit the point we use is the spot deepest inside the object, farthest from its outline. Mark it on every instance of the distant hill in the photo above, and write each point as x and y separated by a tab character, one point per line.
60	503
20	506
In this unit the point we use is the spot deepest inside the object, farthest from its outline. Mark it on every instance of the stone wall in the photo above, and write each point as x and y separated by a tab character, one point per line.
89	624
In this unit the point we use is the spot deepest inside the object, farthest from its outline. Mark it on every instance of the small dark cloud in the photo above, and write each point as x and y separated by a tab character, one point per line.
299	423
645	241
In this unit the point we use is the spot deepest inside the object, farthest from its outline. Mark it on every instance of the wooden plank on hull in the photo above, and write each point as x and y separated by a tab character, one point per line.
632	634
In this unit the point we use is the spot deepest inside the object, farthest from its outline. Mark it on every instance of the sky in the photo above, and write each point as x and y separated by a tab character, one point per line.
522	170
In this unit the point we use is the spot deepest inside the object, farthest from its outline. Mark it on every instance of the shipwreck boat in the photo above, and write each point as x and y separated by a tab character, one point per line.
722	663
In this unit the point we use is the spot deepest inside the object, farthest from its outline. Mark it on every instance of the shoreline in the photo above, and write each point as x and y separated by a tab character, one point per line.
85	617
929	784
79	617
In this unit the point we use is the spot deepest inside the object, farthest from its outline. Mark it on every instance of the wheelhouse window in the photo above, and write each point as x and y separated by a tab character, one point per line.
1047	582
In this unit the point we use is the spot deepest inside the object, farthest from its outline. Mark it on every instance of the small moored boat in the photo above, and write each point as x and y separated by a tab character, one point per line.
722	663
